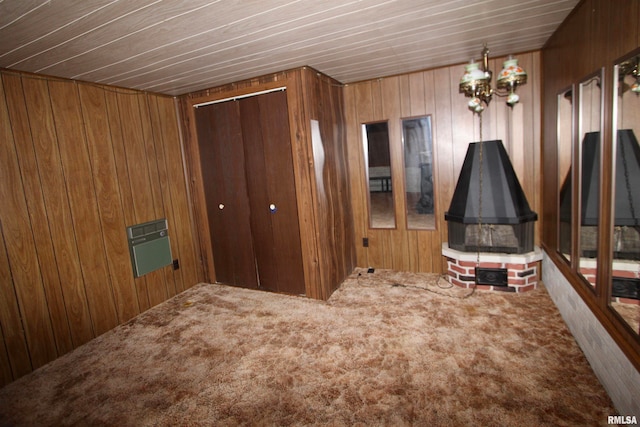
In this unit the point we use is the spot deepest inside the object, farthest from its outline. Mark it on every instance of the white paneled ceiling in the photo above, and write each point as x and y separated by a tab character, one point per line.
178	46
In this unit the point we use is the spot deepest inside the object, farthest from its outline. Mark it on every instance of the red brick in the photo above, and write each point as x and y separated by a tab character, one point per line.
492	265
525	288
467	279
531	273
504	289
454	267
627	274
484	287
519	267
586	271
518	274
467	263
459	283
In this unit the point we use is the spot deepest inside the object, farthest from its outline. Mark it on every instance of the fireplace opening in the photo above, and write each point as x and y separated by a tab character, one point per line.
499	238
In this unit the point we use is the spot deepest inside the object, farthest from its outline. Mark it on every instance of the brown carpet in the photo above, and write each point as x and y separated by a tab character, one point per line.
376	353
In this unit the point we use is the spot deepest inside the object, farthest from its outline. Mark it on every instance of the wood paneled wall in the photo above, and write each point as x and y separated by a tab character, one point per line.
435	92
595	35
80	163
326	230
324	102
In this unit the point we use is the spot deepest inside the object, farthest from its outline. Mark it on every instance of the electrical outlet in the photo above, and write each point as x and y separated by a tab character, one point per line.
176	264
365	242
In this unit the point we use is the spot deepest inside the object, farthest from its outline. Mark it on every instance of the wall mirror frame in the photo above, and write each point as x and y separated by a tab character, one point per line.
624	284
565	149
417	143
378	172
589	153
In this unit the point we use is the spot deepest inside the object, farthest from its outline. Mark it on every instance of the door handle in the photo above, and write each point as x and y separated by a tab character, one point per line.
221	206
273	208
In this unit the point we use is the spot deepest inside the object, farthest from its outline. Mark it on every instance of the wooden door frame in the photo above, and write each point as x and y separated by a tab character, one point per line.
302	163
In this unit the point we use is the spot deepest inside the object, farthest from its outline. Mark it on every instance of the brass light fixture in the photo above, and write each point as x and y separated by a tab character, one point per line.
476	82
632	68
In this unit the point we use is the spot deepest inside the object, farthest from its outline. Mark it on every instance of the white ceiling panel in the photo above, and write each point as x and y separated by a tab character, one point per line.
178	46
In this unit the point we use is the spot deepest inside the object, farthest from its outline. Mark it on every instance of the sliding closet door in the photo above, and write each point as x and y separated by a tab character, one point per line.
271	186
223	172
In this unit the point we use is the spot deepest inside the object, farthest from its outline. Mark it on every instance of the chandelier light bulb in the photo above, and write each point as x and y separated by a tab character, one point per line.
475	102
513	99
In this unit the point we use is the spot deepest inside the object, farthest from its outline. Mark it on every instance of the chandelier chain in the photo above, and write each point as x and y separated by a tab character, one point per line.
480	155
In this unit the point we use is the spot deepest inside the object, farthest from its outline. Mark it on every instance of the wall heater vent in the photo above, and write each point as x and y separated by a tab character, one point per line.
149	246
492	276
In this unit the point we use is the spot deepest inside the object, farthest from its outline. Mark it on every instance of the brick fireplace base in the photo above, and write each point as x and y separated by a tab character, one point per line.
522	268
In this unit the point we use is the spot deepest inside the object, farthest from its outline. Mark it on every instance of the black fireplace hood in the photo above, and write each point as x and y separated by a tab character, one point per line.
627	199
503	201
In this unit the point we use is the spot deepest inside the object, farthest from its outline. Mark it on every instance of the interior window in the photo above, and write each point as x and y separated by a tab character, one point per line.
590	124
378	169
418	172
565	149
625	281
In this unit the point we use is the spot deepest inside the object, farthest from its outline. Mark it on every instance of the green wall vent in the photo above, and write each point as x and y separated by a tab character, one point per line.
149	246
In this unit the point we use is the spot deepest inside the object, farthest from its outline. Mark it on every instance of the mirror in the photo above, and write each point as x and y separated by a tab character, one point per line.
625	286
378	169
418	172
590	125
565	149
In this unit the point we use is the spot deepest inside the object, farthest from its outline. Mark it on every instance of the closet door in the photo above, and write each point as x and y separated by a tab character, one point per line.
223	171
271	187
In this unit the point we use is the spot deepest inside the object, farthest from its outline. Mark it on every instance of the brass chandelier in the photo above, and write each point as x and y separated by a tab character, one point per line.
476	82
630	68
